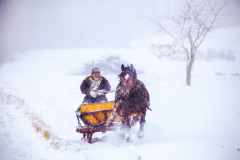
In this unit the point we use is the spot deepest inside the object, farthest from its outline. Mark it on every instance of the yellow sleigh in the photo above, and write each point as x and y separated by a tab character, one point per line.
95	116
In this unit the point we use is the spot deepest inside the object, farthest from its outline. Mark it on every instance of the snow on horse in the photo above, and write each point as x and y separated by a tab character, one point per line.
133	99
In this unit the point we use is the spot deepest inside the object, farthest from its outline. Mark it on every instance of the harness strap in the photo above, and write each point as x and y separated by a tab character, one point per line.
136	87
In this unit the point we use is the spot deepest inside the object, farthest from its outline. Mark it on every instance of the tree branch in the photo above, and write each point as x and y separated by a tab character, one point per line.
158	23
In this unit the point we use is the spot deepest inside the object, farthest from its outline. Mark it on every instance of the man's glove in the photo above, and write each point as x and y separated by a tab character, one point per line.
99	92
93	94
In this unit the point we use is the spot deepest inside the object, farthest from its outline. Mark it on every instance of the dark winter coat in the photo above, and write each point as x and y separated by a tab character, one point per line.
86	87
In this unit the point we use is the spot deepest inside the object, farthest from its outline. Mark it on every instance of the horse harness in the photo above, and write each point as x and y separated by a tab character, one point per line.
131	91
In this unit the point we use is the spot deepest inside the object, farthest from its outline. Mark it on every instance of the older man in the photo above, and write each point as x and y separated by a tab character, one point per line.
93	87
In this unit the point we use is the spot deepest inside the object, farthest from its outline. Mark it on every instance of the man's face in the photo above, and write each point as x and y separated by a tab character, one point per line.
96	76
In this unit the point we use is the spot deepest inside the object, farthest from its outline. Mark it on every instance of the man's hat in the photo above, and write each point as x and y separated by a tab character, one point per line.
95	70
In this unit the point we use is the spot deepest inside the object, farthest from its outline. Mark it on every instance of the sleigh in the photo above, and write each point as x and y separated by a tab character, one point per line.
95	116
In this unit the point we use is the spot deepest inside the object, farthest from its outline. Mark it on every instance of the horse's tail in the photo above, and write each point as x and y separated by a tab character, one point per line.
148	104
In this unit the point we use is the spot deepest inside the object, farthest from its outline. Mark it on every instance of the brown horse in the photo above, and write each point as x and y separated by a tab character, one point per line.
134	101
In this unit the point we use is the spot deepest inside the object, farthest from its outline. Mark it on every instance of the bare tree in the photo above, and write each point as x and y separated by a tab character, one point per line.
188	27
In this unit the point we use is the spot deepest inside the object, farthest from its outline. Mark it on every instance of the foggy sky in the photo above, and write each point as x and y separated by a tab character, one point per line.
63	24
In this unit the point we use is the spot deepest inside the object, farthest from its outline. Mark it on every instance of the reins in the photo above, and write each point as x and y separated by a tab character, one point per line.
112	90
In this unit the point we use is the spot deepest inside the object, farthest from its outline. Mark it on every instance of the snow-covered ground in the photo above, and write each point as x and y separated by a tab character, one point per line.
201	122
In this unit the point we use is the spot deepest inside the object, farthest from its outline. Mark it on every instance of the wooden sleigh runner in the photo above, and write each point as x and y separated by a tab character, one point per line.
95	116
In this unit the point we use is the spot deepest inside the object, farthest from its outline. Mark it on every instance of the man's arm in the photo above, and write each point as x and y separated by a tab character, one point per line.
108	86
84	87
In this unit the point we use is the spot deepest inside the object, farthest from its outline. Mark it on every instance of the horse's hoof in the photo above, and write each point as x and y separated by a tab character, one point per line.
140	134
128	140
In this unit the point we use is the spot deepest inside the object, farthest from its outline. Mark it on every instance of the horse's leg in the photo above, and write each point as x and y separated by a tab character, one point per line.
134	121
142	122
122	128
127	129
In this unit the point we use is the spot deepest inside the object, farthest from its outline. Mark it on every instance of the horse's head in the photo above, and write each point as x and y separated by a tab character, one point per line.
127	79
